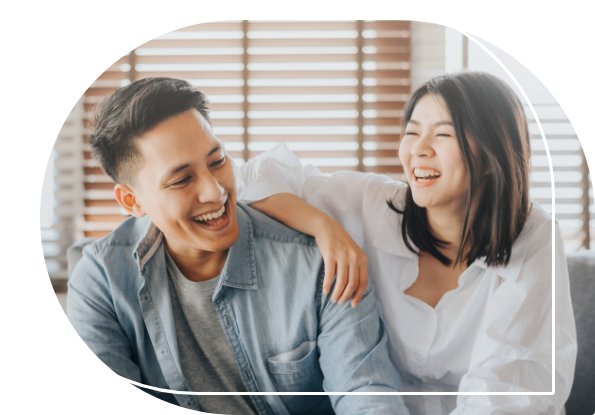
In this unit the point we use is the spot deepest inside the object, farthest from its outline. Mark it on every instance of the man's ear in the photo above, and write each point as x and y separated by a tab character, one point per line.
127	199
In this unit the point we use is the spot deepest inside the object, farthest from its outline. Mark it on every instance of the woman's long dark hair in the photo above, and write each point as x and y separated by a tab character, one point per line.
484	109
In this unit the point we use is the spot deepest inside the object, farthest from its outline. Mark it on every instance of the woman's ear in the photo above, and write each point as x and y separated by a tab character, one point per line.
127	198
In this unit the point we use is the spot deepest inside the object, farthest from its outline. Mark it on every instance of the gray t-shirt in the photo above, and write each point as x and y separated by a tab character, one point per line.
206	359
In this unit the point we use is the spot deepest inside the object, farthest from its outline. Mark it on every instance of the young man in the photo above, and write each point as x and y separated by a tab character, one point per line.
196	293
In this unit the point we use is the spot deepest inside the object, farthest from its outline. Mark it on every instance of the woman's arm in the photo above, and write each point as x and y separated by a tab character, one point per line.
328	207
339	251
514	351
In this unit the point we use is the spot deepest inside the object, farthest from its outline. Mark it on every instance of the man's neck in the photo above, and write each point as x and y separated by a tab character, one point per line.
197	265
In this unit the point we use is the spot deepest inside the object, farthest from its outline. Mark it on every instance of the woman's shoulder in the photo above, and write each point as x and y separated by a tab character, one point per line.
537	218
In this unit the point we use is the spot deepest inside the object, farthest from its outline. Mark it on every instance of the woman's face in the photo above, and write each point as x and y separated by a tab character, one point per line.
431	158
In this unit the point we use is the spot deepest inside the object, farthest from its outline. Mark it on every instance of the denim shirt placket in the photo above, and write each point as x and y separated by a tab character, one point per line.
229	325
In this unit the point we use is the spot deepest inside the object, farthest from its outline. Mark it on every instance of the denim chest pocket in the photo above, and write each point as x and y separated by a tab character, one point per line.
298	371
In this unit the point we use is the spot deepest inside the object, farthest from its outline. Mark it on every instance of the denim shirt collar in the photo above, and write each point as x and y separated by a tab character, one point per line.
239	270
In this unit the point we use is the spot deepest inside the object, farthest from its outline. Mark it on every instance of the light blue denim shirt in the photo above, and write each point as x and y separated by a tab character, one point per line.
284	334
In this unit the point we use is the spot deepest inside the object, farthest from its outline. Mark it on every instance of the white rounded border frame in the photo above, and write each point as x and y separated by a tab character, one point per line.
173	3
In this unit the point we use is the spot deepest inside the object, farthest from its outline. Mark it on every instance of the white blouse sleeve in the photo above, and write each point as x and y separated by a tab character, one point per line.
514	351
340	195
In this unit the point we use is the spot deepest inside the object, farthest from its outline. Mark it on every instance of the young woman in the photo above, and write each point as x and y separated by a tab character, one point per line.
460	258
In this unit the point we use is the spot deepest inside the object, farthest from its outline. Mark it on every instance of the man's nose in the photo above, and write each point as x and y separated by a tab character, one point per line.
209	190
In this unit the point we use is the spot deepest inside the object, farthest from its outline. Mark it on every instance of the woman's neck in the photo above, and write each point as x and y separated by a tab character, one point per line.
447	225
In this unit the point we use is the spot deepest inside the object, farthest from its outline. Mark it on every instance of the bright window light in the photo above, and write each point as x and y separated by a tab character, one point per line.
558	161
306	145
226	99
264	98
228	130
313	50
302	34
370	129
331	161
188	67
369	113
299	130
561	193
304	114
47	195
564	144
188	51
303	66
369	97
200	34
226	115
303	82
381	161
559	177
234	146
216	82
370	65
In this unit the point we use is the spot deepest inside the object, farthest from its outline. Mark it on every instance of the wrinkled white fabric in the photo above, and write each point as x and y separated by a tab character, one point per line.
491	334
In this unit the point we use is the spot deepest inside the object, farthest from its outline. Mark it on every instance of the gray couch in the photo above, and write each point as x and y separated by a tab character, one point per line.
581	269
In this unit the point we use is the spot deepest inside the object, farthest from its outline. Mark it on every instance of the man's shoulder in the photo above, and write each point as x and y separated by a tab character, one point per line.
265	227
127	234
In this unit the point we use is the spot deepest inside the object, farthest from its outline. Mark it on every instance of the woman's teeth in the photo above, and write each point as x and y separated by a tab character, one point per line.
424	175
210	216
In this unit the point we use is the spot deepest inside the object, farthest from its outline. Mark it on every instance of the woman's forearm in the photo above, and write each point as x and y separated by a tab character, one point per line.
292	211
339	251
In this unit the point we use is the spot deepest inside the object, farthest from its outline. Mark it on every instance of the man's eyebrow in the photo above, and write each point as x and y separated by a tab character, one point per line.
214	150
436	124
181	167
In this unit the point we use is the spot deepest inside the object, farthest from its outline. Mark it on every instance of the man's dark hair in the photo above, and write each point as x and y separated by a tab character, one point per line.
485	110
134	110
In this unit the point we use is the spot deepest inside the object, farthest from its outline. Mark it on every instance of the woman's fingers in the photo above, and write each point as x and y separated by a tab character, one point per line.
341	282
351	284
362	285
329	275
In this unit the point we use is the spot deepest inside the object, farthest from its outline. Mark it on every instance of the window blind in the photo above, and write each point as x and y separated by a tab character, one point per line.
63	185
572	182
333	91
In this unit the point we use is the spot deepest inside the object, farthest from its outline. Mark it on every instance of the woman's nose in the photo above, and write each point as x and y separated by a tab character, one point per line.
209	189
422	147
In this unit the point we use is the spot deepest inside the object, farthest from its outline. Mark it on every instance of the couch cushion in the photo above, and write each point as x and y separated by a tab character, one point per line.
581	272
75	252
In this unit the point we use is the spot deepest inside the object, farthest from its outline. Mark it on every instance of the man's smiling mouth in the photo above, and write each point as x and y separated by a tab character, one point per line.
212	218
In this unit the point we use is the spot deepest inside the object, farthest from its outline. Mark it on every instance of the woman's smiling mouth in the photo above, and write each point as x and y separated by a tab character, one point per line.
425	176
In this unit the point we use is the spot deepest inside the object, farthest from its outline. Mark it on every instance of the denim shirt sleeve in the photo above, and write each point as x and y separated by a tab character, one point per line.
90	309
354	357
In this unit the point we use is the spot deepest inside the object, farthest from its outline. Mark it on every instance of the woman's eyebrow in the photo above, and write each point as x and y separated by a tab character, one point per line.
436	124
214	150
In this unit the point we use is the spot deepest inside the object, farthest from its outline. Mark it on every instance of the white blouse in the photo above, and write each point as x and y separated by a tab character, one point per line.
493	333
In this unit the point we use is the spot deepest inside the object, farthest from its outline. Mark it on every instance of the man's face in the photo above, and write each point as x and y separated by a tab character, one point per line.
186	177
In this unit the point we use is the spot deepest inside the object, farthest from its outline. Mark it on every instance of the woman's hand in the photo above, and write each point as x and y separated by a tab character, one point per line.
342	255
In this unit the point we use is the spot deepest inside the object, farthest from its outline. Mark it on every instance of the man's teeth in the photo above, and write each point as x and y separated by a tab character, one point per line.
423	173
210	216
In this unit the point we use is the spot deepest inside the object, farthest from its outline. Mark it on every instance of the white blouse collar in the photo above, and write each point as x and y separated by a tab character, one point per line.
389	238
